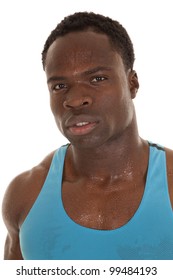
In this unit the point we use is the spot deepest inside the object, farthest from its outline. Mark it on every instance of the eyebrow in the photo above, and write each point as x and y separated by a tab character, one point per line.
86	72
96	69
55	78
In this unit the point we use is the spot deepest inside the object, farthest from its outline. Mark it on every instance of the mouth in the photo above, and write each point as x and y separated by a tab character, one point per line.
82	128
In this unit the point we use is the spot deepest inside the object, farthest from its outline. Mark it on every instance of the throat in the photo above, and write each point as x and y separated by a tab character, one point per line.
110	163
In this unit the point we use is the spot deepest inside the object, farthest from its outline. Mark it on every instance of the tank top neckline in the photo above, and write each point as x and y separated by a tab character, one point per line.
132	220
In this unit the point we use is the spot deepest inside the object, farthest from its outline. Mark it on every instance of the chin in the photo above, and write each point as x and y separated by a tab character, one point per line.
89	142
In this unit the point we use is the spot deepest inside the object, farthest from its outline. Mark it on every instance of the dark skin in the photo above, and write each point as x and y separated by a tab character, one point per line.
91	96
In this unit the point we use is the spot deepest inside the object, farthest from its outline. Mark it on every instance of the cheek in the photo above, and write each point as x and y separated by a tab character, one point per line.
118	109
53	107
126	112
57	108
56	105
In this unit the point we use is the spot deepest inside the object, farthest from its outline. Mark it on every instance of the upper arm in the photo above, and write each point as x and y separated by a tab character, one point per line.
12	247
10	212
17	202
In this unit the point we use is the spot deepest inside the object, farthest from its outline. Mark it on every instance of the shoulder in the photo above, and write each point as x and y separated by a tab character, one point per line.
23	191
169	166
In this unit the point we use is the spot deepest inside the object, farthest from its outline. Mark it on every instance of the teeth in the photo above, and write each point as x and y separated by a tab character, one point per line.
82	123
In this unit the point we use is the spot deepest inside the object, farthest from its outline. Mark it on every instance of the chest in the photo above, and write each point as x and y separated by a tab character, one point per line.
101	207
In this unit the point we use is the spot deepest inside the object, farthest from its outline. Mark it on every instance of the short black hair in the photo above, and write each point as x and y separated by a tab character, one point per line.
82	21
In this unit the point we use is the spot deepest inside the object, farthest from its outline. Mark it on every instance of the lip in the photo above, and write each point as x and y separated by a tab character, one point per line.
82	130
81	125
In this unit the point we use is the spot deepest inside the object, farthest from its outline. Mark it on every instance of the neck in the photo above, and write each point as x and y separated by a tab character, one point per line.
119	158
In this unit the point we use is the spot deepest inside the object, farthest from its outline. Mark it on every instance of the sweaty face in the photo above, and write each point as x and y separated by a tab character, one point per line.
90	90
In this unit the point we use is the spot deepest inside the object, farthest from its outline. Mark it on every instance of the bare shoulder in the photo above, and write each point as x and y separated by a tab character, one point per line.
18	200
169	164
23	191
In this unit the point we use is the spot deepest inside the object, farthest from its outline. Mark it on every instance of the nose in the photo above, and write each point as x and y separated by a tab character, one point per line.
77	100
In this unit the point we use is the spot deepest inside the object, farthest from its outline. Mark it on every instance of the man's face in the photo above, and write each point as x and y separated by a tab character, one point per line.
90	90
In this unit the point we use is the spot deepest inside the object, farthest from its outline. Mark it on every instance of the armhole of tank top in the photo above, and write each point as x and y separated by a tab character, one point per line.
44	186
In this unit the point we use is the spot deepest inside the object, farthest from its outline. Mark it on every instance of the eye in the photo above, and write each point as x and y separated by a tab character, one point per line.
98	79
58	87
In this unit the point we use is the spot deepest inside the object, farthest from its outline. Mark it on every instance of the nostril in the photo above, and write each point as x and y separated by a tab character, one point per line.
75	103
85	103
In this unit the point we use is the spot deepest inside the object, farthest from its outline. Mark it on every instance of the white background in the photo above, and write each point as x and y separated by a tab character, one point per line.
27	129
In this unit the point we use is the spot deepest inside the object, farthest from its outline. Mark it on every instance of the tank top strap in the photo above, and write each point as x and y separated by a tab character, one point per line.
54	176
157	182
156	165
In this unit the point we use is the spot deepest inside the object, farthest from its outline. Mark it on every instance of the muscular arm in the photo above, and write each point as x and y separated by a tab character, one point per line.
10	215
12	247
18	200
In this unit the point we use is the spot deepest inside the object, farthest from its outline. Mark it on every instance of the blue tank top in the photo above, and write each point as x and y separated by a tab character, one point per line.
48	233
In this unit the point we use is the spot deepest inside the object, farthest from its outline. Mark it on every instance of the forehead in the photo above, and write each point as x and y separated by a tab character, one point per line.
80	50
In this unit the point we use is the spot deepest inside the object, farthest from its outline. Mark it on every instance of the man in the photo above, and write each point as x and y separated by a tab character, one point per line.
108	194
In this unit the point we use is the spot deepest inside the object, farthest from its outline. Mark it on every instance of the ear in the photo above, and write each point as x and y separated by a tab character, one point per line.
133	83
